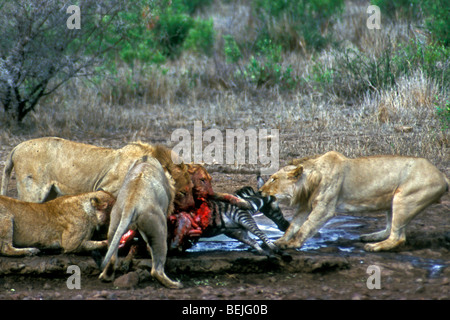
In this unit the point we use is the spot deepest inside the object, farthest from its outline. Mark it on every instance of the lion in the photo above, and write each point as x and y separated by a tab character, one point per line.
144	203
203	190
67	222
49	167
328	184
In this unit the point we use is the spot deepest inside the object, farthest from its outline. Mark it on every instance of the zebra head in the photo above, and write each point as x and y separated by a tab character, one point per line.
266	205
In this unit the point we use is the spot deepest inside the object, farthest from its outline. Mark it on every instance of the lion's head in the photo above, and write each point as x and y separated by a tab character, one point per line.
202	181
295	182
282	183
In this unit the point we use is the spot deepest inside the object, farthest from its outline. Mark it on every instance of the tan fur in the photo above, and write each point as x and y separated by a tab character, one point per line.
67	167
144	203
319	187
67	222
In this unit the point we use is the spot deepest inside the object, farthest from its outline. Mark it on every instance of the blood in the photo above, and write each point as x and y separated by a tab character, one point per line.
185	228
127	237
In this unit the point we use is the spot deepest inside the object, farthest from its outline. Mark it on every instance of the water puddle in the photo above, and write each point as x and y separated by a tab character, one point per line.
341	232
342	227
434	267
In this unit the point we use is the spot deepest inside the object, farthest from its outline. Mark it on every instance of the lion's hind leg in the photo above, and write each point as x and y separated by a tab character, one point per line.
6	239
405	206
379	235
154	231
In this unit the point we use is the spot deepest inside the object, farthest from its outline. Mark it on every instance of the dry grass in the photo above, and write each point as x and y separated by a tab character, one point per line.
149	103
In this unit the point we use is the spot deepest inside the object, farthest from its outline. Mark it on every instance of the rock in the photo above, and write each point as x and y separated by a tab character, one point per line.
420	289
356	296
143	275
127	281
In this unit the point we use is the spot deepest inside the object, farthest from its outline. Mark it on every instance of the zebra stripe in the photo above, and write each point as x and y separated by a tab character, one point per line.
236	222
266	205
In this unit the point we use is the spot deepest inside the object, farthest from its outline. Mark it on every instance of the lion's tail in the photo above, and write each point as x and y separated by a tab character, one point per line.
114	245
9	165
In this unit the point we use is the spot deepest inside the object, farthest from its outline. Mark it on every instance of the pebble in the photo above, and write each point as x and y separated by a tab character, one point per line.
356	296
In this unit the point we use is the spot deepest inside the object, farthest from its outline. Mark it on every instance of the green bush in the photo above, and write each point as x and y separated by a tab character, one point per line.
432	59
267	68
435	13
231	50
355	72
437	20
171	31
407	9
262	69
296	23
162	29
200	38
443	114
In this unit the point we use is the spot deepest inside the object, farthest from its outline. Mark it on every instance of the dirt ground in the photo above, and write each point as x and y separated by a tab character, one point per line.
419	270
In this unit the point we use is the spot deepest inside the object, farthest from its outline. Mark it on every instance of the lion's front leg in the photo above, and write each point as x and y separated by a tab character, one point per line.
318	217
295	224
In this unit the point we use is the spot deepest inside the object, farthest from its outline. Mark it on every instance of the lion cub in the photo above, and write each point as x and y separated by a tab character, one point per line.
67	222
144	202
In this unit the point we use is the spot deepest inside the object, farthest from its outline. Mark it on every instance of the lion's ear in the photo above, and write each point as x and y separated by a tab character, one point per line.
190	168
94	202
97	204
296	172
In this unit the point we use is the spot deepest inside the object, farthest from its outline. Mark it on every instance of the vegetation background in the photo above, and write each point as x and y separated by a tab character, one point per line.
312	69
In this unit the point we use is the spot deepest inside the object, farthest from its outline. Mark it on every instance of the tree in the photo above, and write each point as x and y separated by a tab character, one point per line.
40	51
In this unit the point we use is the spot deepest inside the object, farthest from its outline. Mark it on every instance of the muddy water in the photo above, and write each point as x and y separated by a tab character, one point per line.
341	233
342	227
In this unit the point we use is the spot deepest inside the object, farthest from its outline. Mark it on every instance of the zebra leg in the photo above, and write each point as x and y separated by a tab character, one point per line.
232	199
242	236
247	222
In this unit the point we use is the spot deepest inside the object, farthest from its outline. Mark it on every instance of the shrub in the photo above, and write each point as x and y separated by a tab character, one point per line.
353	72
231	49
435	14
443	114
437	20
267	68
264	68
39	53
200	38
296	23
171	31
162	29
408	9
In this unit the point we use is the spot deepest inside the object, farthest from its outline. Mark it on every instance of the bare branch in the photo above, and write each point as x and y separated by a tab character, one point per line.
38	53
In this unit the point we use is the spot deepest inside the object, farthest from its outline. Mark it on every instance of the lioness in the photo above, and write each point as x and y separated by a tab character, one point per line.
53	165
66	222
323	186
144	202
